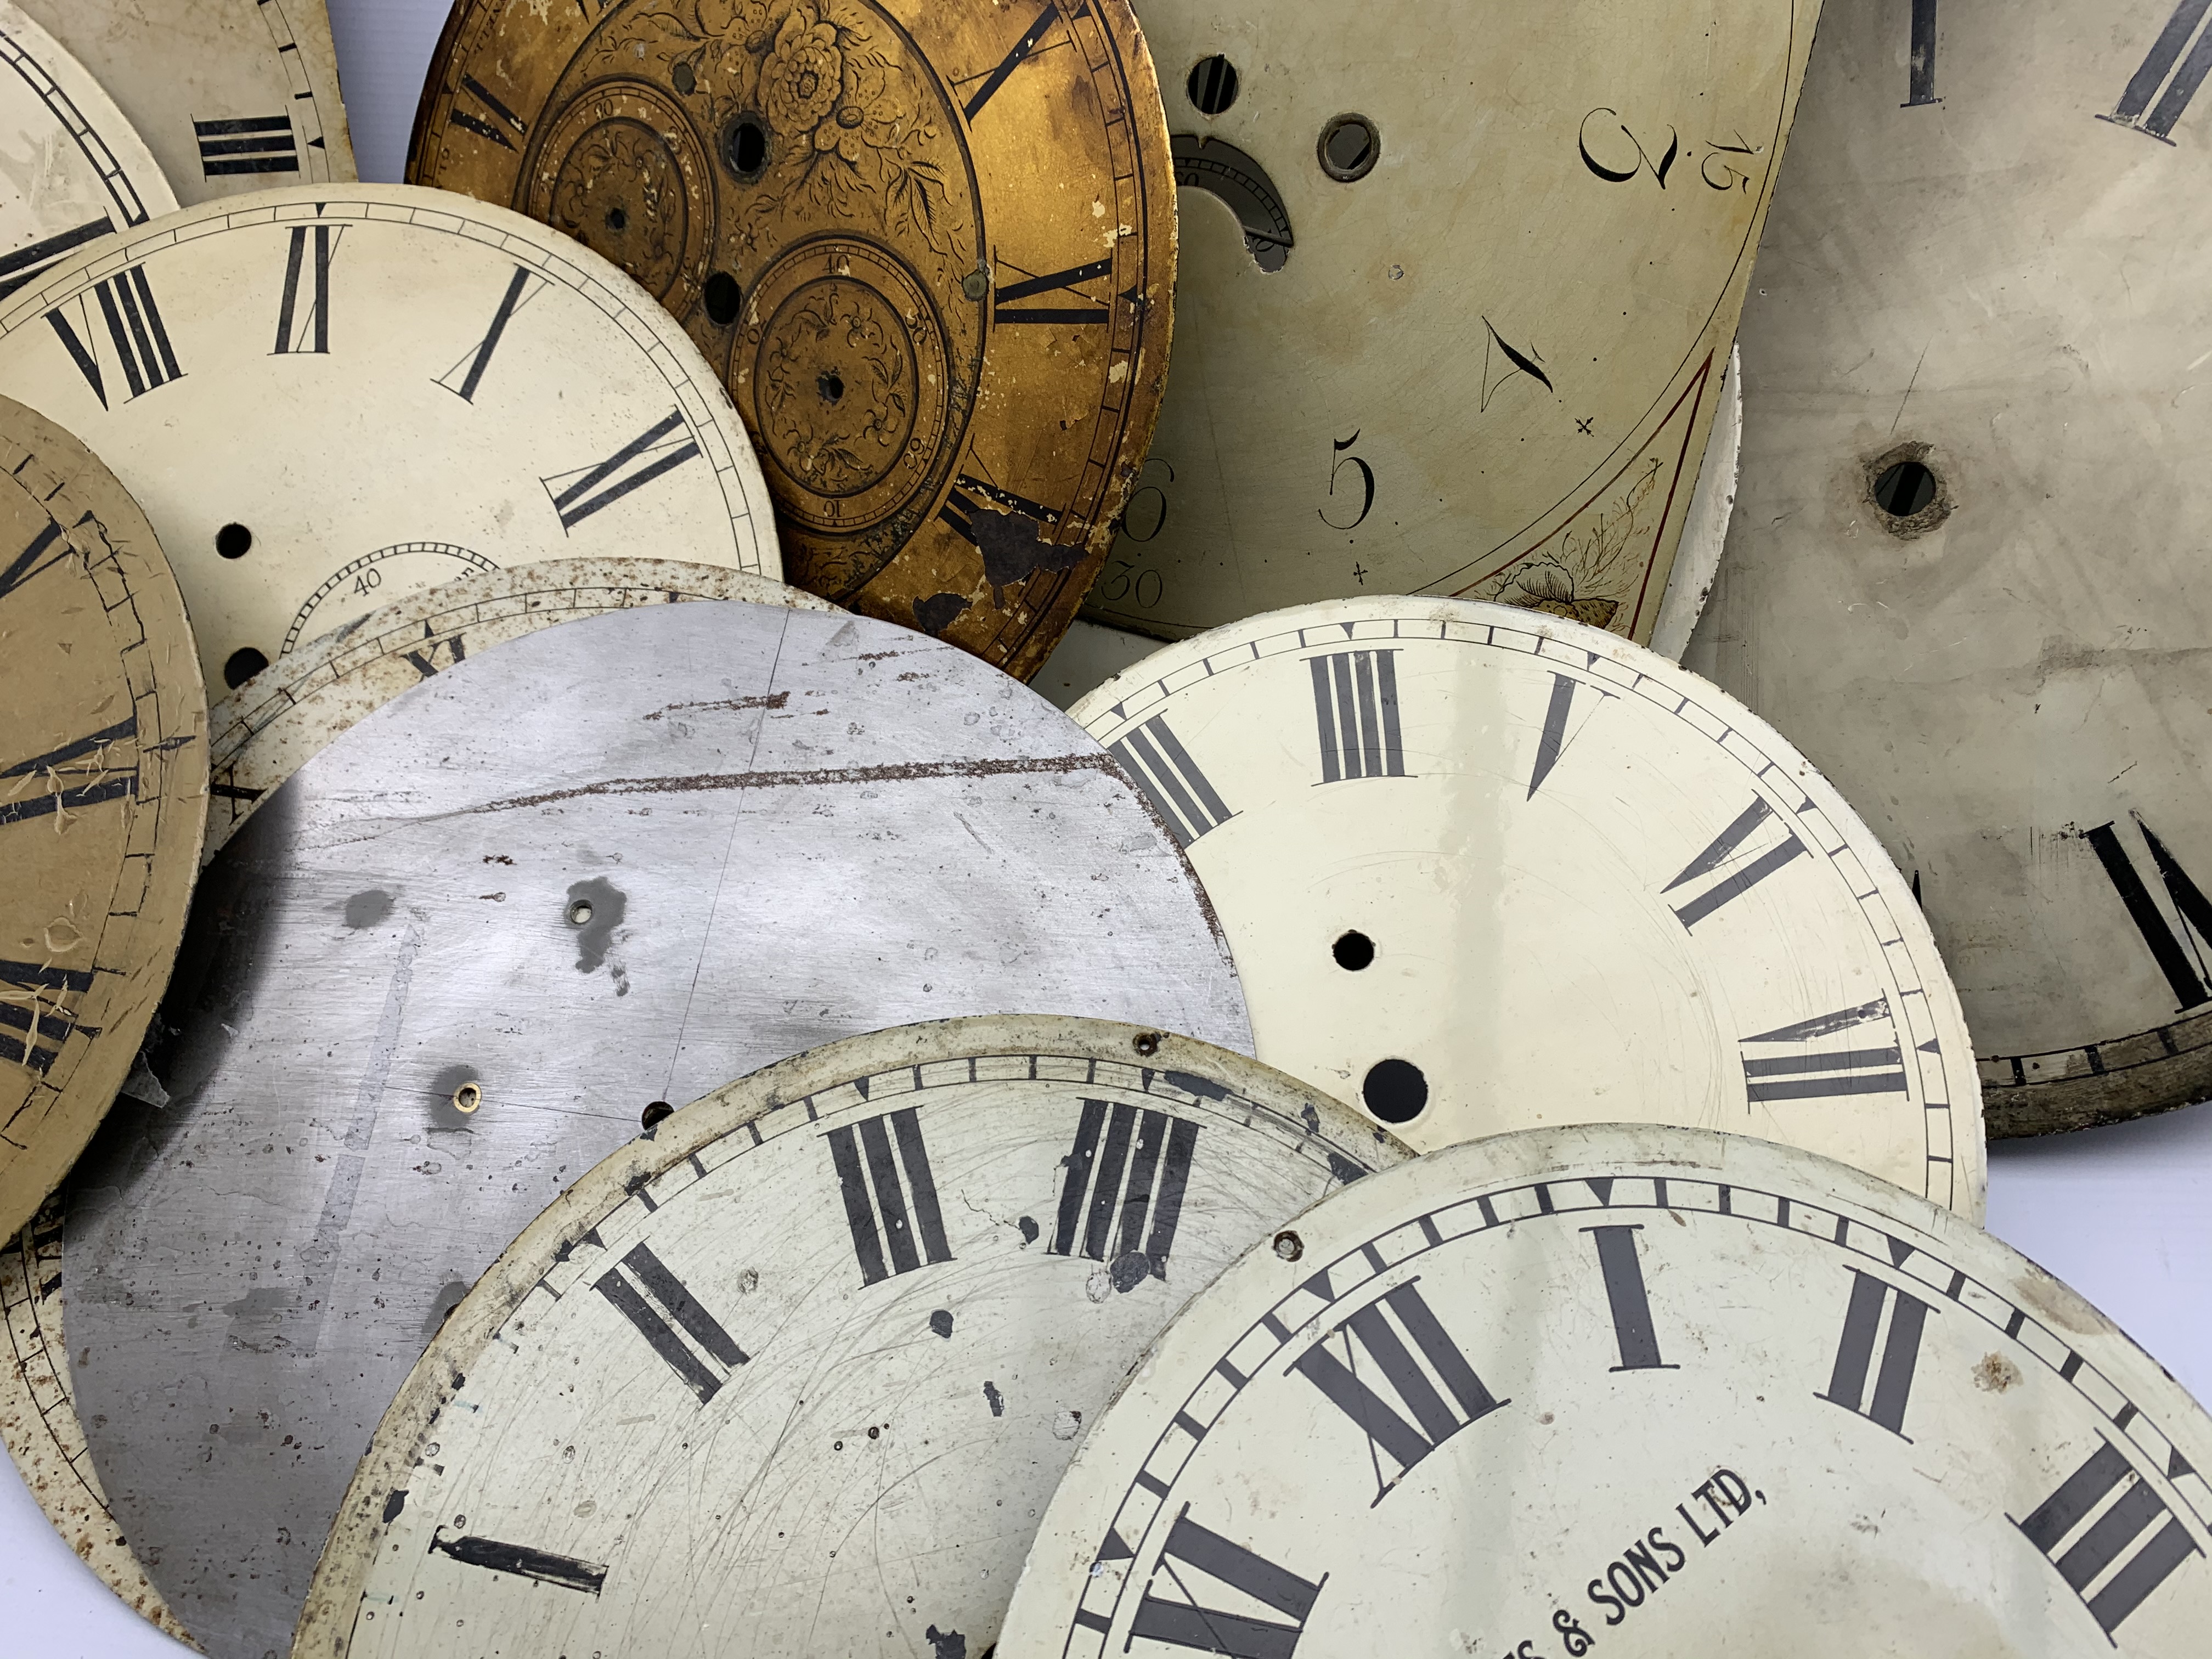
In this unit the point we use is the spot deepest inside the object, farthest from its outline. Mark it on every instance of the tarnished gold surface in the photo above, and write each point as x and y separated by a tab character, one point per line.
929	246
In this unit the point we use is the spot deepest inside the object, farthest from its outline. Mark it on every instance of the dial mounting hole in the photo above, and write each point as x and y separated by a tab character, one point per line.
746	147
658	1112
1212	84
1395	1091
1905	489
617	219
244	663
1350	146
831	385
721	296
234	541
1353	951
467	1098
580	912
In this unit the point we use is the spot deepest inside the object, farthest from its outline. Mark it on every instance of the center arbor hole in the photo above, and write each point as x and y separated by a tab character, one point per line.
244	663
1212	84
617	219
1354	951
722	298
234	541
829	386
747	146
1395	1091
1905	489
1350	146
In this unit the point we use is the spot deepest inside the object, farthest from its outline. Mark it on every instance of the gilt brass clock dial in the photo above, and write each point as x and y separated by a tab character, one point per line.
1966	575
1456	289
796	1374
1482	870
1638	1391
262	733
455	389
231	95
471	944
931	248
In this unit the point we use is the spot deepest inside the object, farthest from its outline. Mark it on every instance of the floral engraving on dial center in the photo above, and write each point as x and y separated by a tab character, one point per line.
837	388
620	192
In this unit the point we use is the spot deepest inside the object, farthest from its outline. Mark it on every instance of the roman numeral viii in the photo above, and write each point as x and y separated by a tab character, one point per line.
900	1211
1185	800
2169	948
668	1316
138	338
1427	1421
2109	1562
2166	68
1137	1175
1180	1619
1722	851
1900	1353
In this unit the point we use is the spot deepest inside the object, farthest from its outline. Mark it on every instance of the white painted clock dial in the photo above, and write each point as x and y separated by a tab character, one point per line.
1627	1390
324	397
1483	870
797	1373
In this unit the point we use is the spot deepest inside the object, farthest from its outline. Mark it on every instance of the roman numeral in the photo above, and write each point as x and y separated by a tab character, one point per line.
2134	108
961	506
863	1156
1814	1073
1030	39
26	265
1155	759
1921	88
1723	849
1900	1353
1186	1622
35	559
1432	1420
42	1033
425	660
661	449
2095	1555
523	1562
1356	707
2169	948
500	112
1058	279
311	333
253	143
1553	743
649	1295
1633	1332
1147	1187
135	330
77	774
469	373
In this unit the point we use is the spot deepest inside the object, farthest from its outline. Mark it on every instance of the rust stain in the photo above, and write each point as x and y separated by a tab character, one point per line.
732	705
830	777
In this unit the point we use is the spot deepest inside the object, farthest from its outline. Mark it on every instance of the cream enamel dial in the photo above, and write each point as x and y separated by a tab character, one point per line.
1638	1392
326	398
1454	299
1482	870
231	95
826	1339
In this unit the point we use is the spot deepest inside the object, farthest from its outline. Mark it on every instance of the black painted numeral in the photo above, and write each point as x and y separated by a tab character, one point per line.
1557	717
658	451
1920	88
1183	1621
899	1213
2165	67
424	660
972	497
46	549
134	329
1502	361
1031	39
1427	1421
76	775
463	378
246	144
523	1562
1127	1164
1633	1332
1030	287
1900	1353
1723	850
1355	696
1190	806
309	258
500	116
26	265
2095	1557
1809	1072
32	1035
2169	949
650	1298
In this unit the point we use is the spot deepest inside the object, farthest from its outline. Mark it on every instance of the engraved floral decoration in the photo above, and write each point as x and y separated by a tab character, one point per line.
620	194
836	396
1587	575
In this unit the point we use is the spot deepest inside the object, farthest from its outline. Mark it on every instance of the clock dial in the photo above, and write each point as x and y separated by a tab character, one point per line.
103	796
262	733
1639	1390
456	388
827	1339
233	95
2021	708
448	966
932	249
1450	329
1482	870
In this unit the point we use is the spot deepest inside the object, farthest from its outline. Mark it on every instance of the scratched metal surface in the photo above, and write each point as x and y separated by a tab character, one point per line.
789	826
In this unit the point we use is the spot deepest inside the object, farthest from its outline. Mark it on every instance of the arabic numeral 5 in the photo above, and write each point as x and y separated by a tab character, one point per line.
1365	474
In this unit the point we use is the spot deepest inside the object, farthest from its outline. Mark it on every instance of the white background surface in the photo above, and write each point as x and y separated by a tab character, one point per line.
2124	1214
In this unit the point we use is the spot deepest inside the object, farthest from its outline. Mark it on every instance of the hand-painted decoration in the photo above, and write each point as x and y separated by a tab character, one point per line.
1382	388
231	95
1966	575
931	248
468	947
1483	871
264	730
430	387
816	1351
103	796
1630	1389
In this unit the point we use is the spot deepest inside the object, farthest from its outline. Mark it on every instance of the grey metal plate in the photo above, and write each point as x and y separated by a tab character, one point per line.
789	827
